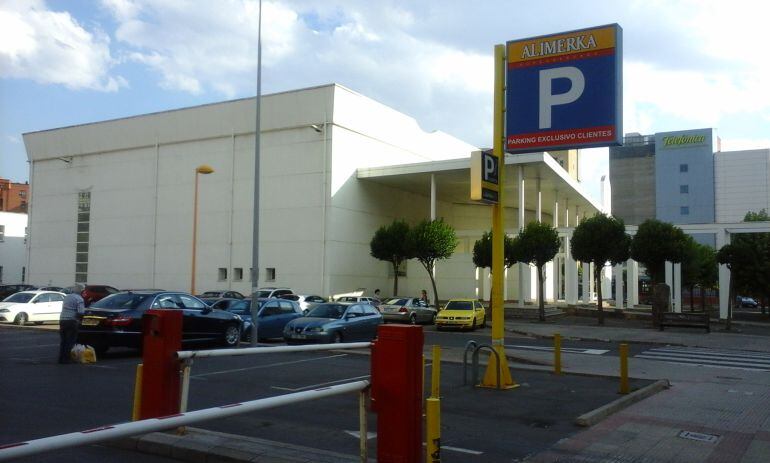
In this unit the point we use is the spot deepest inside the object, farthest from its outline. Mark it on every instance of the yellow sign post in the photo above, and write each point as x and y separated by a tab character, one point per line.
498	232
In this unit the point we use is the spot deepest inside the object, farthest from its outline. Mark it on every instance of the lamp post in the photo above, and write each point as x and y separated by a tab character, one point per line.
202	169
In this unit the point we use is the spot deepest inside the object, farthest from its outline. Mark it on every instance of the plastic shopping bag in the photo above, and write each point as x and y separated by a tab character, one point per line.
83	354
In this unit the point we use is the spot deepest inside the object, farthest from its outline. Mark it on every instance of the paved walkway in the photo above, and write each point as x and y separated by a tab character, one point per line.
708	415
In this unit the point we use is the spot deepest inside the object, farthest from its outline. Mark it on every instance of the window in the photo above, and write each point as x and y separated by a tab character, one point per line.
683	168
82	238
238	274
23	194
270	274
191	303
684	189
2	233
222	274
287	307
684	210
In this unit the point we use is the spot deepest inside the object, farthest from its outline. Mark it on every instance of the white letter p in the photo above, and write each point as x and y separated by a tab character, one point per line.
548	100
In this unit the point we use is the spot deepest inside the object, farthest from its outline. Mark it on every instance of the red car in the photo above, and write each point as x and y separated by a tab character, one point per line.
93	293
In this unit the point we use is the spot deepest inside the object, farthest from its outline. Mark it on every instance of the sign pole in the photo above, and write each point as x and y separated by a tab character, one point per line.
498	233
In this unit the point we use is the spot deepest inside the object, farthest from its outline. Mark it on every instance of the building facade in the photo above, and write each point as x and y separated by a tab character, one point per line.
13	248
13	196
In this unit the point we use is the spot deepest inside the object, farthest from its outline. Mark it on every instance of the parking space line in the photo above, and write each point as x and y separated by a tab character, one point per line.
256	367
313	386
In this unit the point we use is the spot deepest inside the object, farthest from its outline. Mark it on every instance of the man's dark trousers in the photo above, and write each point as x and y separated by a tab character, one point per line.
68	334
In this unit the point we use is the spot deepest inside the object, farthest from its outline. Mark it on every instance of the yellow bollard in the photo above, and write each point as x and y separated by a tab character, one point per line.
557	353
624	389
135	413
433	430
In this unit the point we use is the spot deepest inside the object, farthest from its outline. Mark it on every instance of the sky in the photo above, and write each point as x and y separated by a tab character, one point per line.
686	64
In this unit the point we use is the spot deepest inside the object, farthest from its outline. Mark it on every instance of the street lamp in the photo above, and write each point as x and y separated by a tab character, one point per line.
202	169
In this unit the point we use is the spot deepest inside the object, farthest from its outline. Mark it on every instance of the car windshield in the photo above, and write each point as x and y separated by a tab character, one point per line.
459	305
327	311
395	301
19	297
121	301
242	307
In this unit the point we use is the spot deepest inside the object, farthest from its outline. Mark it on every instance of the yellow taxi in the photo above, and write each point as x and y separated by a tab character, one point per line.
462	313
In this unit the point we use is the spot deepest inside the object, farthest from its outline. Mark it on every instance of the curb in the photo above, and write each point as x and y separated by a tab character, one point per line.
594	416
578	338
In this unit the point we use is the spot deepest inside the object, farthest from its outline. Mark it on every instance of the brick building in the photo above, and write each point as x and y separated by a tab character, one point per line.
13	196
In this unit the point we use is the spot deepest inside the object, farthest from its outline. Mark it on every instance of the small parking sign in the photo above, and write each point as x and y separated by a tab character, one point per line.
564	90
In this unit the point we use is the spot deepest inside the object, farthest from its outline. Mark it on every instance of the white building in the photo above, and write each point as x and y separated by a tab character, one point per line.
742	183
112	202
13	247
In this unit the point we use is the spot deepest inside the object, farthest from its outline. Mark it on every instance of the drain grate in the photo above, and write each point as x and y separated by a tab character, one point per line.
710	438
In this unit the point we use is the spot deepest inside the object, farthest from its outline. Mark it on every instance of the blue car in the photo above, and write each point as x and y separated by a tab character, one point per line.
274	314
334	322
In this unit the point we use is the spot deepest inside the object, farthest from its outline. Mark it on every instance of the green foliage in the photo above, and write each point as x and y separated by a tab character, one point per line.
598	240
430	241
537	243
391	244
482	251
655	243
752	272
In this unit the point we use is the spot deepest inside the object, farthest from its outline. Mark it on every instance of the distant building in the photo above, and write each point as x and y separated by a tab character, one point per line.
13	247
13	196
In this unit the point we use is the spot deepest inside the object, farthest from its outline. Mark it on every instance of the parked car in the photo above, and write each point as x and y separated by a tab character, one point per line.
93	293
31	306
743	301
365	299
7	290
407	310
269	291
116	320
306	302
58	289
273	315
462	313
221	294
334	322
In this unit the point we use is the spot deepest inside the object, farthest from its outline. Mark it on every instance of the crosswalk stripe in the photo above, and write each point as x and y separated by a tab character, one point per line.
727	353
709	357
752	366
706	356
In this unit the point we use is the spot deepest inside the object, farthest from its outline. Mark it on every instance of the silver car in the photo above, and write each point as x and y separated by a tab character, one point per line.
407	310
306	302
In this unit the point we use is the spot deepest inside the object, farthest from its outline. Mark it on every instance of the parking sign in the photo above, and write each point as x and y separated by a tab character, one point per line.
564	90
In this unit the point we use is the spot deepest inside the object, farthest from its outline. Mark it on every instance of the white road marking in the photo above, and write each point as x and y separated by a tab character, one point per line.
256	367
709	357
314	386
568	350
357	434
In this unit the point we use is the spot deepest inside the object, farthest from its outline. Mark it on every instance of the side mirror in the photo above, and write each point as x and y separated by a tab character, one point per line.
206	310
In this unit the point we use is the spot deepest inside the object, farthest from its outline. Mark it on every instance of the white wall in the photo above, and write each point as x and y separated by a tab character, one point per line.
742	183
13	248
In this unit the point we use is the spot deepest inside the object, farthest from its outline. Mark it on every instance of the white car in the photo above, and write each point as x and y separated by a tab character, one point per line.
31	306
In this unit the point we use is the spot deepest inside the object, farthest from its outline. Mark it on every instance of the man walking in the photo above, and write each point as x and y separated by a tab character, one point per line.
72	309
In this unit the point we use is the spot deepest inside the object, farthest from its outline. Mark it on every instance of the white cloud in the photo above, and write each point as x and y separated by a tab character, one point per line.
13	139
52	48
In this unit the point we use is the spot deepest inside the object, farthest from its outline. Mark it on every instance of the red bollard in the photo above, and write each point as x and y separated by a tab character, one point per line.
397	378
162	338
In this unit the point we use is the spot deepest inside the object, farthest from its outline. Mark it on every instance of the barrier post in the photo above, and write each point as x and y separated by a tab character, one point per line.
396	394
363	428
135	412
557	353
624	389
162	338
433	411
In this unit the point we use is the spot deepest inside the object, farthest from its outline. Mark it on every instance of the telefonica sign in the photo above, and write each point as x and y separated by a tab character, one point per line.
564	90
683	140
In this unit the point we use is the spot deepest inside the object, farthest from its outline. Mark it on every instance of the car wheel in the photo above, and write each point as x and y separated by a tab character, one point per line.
433	319
413	319
337	338
484	322
232	335
21	319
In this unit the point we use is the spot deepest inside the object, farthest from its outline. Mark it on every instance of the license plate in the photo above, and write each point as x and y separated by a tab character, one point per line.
90	321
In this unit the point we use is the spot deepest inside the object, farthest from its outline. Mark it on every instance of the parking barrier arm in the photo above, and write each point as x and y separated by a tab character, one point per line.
188	354
110	432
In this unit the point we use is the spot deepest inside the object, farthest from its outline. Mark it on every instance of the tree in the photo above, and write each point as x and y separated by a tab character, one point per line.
598	240
537	243
753	277
430	241
736	256
708	273
655	243
482	252
391	243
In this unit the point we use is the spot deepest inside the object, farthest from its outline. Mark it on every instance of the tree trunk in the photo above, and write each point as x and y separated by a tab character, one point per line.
541	302
692	298
730	299
598	283
433	283
395	278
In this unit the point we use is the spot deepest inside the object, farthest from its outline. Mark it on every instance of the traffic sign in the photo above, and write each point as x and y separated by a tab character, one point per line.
485	177
565	90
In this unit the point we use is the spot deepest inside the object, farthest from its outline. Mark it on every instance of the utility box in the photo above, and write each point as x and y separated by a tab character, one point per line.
397	393
162	338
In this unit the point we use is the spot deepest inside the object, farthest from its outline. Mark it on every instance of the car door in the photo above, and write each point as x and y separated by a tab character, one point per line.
478	312
55	306
201	324
269	323
355	323
369	323
38	307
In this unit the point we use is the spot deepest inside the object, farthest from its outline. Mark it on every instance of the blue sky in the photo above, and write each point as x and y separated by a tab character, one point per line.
687	64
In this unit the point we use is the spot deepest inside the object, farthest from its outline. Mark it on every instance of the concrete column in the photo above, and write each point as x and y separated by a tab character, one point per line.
586	298
556	210
570	275
556	277
524	271
677	290
592	280
550	275
669	280
539	211
722	239
632	275
577	216
432	196
566	212
505	284
619	287
606	275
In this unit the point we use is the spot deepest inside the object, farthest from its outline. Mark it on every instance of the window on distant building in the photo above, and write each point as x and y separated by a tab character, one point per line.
82	236
222	274
270	274
238	274
684	189
23	194
684	210
683	168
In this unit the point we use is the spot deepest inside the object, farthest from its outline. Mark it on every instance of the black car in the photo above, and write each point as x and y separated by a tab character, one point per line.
273	315
116	320
221	294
